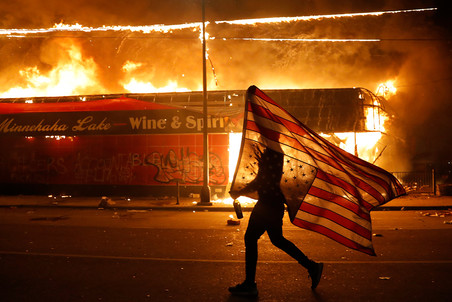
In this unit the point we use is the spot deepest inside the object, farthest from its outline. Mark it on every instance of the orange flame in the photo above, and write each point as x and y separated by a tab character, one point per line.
75	74
318	17
387	89
72	74
361	144
137	86
141	85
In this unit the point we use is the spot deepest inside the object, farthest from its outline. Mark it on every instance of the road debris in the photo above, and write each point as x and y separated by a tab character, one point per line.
105	202
233	221
436	214
55	218
120	215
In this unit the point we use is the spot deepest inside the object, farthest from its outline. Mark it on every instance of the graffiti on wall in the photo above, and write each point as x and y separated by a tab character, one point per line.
187	168
121	168
33	167
110	170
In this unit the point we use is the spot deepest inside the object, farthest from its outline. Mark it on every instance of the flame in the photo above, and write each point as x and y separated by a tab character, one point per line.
375	117
302	40
244	201
130	66
61	27
72	74
137	86
364	144
160	28
235	141
361	144
78	75
319	17
387	89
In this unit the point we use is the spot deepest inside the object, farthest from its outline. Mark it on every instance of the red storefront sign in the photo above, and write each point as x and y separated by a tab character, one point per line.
121	142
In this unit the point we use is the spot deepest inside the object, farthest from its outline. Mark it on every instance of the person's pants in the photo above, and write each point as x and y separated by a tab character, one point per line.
268	219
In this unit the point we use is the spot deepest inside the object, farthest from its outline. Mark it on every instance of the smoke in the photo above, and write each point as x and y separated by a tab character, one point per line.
45	13
420	67
422	102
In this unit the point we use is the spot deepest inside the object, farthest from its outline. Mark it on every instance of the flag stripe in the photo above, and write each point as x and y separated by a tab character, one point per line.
357	181
330	191
254	132
331	214
334	176
336	237
271	107
335	228
373	177
294	126
317	191
354	191
314	137
335	190
260	128
348	175
332	152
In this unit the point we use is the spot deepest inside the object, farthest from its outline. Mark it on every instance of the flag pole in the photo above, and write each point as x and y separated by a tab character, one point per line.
205	191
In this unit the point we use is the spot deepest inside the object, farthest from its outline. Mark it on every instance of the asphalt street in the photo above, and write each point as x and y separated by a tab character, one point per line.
68	254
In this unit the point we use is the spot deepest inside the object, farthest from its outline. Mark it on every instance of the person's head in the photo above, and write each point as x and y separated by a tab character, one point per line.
270	160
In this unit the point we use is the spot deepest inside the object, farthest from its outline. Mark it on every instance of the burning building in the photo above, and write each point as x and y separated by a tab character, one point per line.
100	68
146	144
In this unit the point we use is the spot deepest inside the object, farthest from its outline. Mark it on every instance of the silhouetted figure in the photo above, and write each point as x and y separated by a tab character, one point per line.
267	215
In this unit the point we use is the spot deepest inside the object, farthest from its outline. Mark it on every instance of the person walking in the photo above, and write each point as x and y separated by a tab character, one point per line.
267	215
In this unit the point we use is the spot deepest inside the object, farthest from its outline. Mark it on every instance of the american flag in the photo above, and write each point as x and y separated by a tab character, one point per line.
327	189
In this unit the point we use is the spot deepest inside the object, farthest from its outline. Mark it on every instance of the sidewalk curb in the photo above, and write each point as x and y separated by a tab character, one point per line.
407	203
204	208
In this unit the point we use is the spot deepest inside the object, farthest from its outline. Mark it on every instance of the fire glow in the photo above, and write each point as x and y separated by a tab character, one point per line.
319	17
61	27
72	74
76	73
387	89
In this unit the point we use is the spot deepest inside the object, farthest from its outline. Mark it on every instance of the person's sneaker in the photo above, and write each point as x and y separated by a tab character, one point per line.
315	273
244	289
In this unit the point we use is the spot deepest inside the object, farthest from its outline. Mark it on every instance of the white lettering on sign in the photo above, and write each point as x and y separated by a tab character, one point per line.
147	124
8	125
198	123
175	122
87	124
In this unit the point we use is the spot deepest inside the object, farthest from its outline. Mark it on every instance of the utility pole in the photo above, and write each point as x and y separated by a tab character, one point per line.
205	191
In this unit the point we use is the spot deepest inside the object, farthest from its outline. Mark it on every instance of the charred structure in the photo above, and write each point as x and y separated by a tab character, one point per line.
146	144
